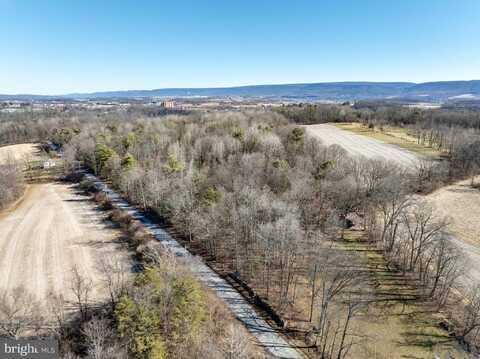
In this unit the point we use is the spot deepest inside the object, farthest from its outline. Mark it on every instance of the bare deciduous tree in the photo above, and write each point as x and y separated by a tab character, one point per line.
81	288
97	332
236	344
19	312
115	276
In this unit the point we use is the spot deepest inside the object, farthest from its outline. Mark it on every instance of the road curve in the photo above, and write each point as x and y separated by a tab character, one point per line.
263	332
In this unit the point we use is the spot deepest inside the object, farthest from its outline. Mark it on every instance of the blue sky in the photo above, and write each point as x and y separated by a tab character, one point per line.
54	47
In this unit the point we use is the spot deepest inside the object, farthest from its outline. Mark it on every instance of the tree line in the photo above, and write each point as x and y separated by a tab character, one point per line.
456	134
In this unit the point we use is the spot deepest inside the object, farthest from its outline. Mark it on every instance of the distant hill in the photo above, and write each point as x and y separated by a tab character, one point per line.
327	91
28	97
335	91
446	88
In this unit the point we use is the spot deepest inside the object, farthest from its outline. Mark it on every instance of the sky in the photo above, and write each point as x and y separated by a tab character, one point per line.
57	47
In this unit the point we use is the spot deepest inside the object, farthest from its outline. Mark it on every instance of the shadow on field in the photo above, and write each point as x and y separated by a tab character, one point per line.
396	297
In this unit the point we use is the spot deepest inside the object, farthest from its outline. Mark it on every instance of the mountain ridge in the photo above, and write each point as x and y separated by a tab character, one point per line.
348	90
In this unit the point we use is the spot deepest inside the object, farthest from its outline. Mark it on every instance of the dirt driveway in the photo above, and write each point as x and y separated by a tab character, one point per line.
358	145
50	231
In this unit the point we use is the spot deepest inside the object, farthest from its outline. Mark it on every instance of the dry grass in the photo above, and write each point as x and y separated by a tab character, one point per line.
358	145
392	135
20	153
397	324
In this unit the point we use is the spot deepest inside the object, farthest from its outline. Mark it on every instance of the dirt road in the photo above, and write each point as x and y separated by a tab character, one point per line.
358	145
51	230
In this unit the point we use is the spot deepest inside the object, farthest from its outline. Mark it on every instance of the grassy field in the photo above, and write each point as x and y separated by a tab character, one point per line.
396	325
391	135
362	146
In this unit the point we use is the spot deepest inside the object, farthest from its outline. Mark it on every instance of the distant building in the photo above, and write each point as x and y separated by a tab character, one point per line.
167	104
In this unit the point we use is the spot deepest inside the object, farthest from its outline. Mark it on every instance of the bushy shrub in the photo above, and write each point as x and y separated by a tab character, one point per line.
164	310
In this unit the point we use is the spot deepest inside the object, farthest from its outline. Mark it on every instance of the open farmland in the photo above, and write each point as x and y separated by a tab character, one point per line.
358	145
52	230
392	135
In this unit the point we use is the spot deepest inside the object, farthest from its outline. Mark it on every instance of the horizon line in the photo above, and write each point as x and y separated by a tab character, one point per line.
92	92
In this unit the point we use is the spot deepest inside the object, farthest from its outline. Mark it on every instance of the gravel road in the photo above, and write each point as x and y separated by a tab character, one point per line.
244	312
358	145
51	230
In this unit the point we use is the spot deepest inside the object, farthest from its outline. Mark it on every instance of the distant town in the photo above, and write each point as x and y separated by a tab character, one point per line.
65	105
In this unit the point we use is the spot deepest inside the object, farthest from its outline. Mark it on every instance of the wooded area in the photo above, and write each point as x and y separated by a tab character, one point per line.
259	198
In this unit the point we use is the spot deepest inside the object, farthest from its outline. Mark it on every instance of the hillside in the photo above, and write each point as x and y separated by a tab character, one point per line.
334	91
328	91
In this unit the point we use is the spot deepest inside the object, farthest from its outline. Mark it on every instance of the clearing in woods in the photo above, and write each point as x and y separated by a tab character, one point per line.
358	145
392	135
397	325
51	230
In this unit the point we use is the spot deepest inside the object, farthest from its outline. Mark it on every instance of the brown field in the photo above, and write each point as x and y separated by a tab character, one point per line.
391	135
50	231
20	153
460	203
359	145
395	325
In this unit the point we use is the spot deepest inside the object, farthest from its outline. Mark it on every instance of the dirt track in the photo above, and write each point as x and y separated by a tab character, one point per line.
51	230
358	145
